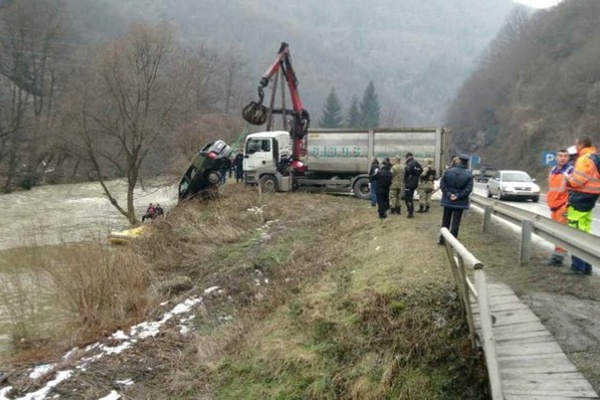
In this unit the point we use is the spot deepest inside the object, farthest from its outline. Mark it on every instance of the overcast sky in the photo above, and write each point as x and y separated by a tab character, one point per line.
539	3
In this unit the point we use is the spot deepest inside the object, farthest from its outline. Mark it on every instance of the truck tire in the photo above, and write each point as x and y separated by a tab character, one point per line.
268	184
361	189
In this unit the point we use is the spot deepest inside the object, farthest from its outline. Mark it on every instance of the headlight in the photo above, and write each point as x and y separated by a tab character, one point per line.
507	188
535	188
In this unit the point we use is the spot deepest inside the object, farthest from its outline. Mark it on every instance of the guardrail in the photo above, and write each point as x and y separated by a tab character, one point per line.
459	258
578	243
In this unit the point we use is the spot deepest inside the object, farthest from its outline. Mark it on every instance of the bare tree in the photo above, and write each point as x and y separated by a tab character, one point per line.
128	103
30	51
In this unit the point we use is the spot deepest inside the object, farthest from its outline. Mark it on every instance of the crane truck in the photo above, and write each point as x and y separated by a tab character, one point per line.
323	160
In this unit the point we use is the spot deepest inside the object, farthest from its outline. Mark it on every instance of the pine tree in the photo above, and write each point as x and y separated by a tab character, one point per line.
332	112
353	115
369	108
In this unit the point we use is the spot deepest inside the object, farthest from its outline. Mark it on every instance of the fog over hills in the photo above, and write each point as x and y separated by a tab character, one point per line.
417	52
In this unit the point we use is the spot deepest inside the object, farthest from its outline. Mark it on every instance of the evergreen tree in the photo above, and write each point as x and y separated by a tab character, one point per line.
332	112
353	115
369	108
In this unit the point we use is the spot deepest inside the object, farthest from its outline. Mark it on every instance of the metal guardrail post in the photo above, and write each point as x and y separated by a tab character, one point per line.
487	218
584	245
526	231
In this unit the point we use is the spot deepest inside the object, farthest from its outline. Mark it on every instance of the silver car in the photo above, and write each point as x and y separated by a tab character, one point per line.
513	184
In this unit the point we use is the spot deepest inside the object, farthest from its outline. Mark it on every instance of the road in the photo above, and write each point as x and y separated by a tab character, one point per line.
539	208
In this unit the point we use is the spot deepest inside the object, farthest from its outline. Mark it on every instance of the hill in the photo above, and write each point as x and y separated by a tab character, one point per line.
417	52
537	88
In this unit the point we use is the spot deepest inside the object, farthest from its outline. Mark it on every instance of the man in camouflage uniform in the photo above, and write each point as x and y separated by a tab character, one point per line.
426	187
397	187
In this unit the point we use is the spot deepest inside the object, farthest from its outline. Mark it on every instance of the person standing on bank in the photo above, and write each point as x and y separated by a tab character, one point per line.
412	172
238	163
558	197
383	180
372	172
397	186
456	185
426	187
584	190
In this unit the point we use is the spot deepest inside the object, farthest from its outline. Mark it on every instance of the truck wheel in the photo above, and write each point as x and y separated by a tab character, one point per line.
361	189
268	184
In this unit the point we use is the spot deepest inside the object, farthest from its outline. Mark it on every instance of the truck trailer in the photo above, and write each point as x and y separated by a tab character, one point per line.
336	160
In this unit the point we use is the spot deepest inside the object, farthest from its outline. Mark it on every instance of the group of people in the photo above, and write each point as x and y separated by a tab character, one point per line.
153	211
233	166
573	190
393	181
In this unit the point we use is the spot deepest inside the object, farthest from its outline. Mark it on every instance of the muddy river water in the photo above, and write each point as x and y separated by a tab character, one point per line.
56	214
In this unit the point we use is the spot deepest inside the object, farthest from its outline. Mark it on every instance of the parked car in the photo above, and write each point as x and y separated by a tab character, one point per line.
484	174
204	173
513	184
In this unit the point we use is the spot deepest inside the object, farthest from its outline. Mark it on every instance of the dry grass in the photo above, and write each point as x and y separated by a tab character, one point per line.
328	302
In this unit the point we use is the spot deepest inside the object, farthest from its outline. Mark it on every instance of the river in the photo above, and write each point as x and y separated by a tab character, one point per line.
51	215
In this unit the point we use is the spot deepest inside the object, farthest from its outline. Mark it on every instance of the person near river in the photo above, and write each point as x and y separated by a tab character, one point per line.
150	213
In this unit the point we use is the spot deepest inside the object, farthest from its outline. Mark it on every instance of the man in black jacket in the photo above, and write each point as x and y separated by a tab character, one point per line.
372	172
411	182
383	180
238	164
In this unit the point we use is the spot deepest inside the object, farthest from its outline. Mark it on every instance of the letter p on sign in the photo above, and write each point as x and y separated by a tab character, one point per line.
548	158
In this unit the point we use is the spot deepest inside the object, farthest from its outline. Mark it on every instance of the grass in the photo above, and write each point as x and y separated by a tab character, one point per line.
322	300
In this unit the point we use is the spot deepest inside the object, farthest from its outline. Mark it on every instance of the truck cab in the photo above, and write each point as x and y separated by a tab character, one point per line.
263	152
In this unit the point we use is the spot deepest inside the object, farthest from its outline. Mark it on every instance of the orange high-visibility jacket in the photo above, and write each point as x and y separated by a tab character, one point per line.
558	194
585	177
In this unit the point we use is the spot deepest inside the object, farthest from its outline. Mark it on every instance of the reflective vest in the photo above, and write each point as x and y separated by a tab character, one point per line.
558	195
585	177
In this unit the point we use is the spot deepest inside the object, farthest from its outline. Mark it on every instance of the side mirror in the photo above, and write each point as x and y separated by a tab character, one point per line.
497	179
246	156
534	180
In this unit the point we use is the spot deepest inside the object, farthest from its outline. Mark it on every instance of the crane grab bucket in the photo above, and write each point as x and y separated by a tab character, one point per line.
255	113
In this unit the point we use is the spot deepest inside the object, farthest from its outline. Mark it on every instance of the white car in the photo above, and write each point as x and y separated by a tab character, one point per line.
513	184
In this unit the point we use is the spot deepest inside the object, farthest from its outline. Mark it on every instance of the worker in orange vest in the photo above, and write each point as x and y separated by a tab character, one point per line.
584	190
558	197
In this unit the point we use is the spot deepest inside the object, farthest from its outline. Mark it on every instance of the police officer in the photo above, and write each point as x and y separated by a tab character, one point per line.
426	186
383	180
456	185
397	186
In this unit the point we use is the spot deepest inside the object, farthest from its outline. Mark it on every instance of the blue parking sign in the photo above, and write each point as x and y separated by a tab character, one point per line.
548	158
475	160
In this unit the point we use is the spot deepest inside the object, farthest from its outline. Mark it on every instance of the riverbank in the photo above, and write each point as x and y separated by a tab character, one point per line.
301	296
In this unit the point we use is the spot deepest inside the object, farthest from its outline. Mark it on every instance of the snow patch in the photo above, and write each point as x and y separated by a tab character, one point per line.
139	331
210	289
126	382
41	370
119	335
111	396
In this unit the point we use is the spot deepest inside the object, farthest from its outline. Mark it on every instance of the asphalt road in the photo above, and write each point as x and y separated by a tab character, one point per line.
539	208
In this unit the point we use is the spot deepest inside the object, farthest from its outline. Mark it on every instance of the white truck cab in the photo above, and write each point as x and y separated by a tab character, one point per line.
263	151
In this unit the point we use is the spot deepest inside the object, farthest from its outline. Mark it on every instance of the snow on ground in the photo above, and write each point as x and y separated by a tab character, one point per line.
98	350
144	330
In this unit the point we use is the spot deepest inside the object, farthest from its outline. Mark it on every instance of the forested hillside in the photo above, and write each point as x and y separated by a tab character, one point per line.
537	88
72	73
417	52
